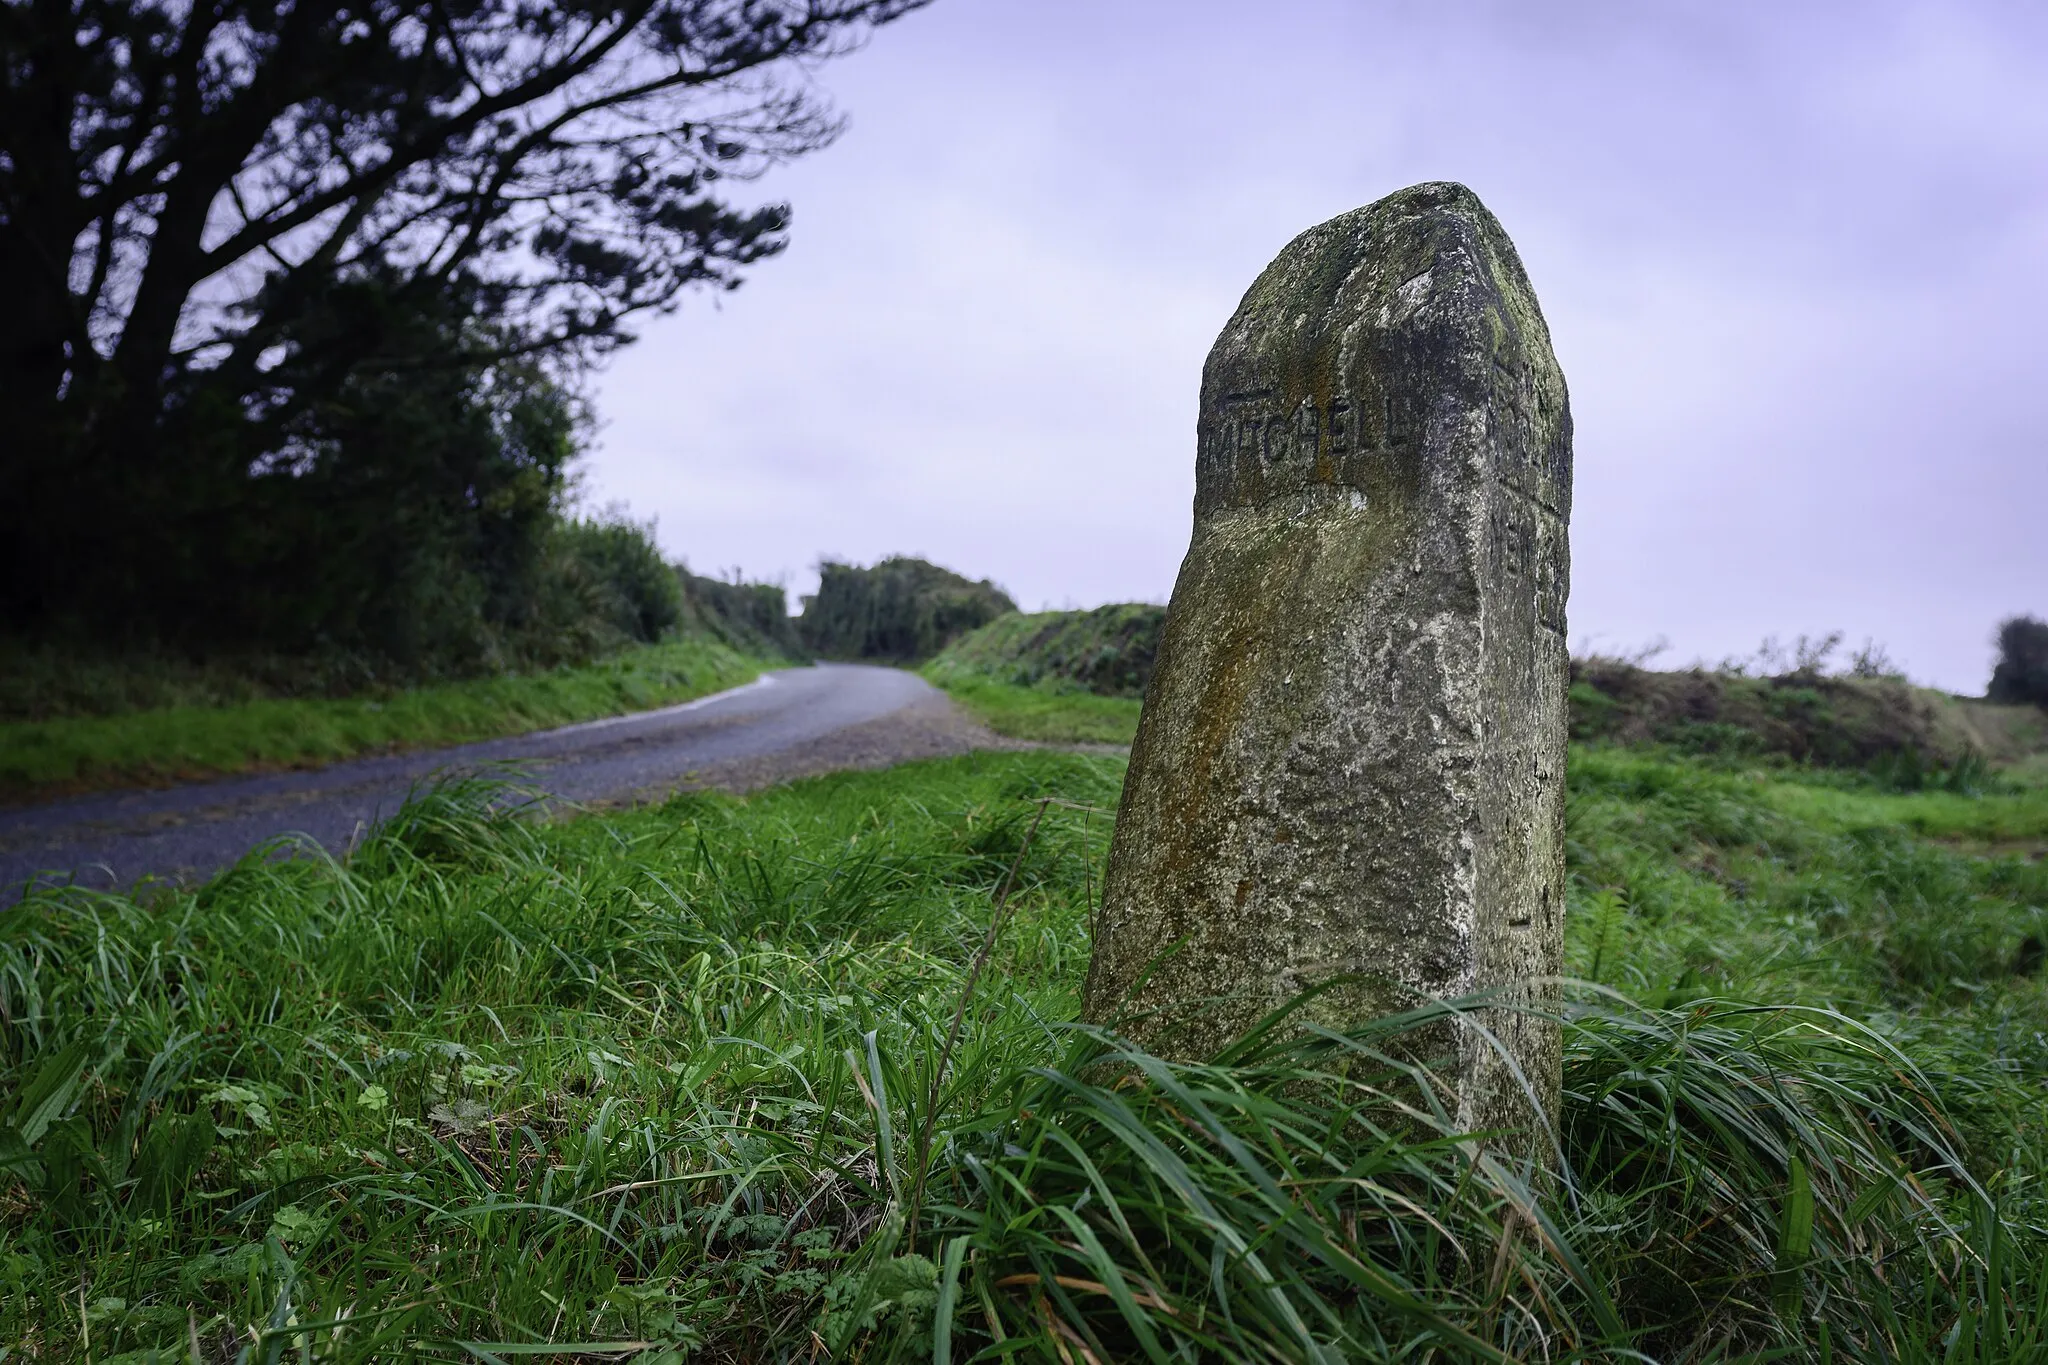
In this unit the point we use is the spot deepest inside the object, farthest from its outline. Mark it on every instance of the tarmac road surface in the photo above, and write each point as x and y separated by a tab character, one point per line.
790	723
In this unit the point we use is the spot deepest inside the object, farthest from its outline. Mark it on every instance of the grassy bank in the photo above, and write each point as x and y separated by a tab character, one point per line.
1011	670
1108	651
685	1082
1804	716
1057	677
80	753
1047	714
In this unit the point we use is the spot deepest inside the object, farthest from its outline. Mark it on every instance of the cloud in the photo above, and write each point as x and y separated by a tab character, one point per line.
1790	256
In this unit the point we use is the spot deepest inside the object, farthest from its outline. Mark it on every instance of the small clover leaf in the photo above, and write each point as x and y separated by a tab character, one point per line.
245	1102
295	1227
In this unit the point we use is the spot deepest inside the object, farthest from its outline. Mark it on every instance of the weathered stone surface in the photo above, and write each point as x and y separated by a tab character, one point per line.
1352	754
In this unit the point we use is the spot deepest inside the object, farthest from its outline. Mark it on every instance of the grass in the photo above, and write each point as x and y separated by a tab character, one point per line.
1026	676
1108	651
1046	713
1057	677
2021	820
41	758
707	1080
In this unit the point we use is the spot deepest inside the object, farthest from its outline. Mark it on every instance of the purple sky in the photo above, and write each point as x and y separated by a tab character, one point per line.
1794	258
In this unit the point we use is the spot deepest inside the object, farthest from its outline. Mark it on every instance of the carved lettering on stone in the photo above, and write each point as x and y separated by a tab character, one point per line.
1351	759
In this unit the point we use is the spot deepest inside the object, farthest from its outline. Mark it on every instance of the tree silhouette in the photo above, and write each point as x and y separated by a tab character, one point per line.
2021	674
216	216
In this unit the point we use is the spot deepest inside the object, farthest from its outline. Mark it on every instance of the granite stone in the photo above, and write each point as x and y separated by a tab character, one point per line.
1351	761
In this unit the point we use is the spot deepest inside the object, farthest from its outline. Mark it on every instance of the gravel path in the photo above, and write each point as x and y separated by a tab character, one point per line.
791	723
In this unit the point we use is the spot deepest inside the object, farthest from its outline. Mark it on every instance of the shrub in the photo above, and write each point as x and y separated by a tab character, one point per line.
1802	714
900	610
595	586
2022	671
633	591
752	617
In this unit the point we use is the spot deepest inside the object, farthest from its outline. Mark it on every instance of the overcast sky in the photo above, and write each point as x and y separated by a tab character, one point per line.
1794	257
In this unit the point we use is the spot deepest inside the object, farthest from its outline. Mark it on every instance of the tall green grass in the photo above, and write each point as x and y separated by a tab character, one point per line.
75	753
1108	651
725	1079
1043	713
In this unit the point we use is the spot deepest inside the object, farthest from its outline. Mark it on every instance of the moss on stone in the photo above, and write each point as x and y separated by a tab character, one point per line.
1349	771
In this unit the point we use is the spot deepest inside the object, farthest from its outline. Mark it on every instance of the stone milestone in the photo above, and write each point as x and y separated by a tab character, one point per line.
1351	759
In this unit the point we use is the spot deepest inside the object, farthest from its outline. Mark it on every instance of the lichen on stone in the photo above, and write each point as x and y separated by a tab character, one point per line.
1350	765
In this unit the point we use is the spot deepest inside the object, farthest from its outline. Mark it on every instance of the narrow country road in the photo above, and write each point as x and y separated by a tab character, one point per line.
790	723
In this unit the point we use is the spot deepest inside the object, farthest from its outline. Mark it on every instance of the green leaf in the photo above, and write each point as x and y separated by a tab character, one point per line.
16	1157
1795	1242
170	1154
1795	1229
51	1094
949	1294
491	1350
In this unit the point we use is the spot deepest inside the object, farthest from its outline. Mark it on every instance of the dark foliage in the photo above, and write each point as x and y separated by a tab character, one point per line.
752	617
901	610
294	291
2022	671
413	522
588	589
630	589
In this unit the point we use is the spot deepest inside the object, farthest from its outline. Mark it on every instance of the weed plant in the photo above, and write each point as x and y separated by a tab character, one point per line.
706	1080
